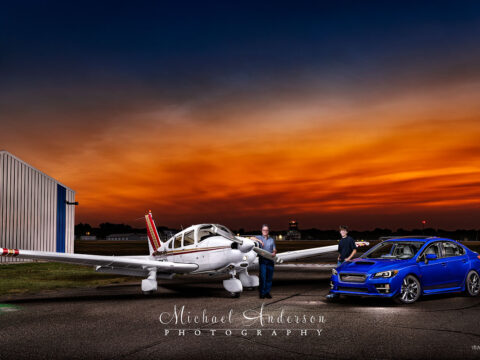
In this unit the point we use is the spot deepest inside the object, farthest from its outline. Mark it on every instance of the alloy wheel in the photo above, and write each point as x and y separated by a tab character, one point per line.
473	283
410	290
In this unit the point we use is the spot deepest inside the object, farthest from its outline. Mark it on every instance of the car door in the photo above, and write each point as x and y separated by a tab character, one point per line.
434	272
457	263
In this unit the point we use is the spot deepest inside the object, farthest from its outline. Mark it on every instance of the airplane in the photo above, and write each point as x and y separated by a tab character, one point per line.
199	249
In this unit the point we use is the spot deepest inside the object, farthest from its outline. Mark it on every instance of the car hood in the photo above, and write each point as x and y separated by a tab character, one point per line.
372	265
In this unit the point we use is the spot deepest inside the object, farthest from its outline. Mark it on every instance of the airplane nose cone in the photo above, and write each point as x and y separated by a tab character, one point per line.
246	246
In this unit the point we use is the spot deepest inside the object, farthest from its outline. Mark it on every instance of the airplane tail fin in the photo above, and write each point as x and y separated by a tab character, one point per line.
154	242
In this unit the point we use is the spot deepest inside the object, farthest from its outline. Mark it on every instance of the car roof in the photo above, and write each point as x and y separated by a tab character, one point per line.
418	238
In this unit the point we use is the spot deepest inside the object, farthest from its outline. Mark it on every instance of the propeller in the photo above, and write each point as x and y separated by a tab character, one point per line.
264	253
246	245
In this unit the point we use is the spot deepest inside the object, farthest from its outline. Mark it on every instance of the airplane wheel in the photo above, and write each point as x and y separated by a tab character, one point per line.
235	295
251	288
148	292
472	283
410	291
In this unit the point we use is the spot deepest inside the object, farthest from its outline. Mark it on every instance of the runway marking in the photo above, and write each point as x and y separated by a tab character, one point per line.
8	308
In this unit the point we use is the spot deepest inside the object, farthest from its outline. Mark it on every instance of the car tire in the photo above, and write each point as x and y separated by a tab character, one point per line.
410	290
472	283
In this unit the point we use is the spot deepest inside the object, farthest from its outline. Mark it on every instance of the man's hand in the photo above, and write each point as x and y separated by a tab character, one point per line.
256	239
274	252
351	255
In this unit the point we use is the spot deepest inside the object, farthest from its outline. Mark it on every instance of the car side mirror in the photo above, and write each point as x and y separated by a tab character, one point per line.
429	257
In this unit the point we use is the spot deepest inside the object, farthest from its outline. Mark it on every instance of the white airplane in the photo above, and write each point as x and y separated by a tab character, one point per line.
199	249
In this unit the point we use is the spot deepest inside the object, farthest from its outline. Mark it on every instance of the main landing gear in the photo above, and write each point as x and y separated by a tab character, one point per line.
235	286
149	285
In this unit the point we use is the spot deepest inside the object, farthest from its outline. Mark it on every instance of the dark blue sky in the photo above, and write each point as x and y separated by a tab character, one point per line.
187	46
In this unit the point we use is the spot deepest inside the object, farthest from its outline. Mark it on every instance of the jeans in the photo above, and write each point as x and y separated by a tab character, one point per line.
266	276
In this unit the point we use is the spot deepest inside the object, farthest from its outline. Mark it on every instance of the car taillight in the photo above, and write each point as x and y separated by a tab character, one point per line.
478	257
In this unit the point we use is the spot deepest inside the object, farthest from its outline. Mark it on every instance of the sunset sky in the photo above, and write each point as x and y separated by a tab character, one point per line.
361	113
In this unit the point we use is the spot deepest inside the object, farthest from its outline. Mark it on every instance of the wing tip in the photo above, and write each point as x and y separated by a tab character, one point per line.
9	252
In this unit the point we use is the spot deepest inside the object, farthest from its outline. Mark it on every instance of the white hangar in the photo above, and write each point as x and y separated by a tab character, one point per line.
36	211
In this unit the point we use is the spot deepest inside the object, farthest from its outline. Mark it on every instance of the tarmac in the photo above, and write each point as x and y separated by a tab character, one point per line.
119	322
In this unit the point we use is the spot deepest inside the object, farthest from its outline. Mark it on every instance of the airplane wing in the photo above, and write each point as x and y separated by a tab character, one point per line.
298	266
300	254
125	262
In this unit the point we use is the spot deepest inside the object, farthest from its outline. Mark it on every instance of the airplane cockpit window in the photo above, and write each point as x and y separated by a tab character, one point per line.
177	242
188	239
205	232
225	229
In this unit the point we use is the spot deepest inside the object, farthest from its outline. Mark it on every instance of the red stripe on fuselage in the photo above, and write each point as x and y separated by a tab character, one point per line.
197	250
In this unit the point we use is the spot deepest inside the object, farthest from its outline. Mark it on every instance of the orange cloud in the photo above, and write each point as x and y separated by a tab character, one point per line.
308	158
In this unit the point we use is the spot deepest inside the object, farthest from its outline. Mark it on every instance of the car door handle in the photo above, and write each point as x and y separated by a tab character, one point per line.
444	264
464	260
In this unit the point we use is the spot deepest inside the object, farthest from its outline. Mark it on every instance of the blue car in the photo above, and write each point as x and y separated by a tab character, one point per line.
408	267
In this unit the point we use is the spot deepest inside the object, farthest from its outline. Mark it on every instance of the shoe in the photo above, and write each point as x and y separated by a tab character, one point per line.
268	296
262	296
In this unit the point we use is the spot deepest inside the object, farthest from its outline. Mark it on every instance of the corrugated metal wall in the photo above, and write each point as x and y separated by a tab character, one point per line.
29	209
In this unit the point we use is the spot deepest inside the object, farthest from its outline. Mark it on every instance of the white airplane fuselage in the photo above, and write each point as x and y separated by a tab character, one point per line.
212	254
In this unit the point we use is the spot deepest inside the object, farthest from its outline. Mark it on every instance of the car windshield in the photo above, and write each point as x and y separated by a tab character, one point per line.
394	250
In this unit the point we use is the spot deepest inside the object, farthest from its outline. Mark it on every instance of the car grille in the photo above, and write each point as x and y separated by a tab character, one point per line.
352	289
354	278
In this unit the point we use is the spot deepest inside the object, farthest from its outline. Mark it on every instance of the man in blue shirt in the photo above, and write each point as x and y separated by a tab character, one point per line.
266	265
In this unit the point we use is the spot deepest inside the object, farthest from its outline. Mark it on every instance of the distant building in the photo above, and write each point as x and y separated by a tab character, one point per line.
88	237
293	233
132	236
292	225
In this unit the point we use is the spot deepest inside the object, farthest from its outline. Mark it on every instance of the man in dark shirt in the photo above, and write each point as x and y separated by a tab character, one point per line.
346	247
346	251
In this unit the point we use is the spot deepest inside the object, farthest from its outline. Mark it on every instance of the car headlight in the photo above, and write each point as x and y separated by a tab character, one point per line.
386	274
334	272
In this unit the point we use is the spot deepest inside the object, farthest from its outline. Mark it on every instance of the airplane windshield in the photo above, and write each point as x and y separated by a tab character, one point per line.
223	231
394	250
205	232
213	230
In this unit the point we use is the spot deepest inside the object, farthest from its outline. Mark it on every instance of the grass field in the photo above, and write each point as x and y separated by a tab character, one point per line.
33	277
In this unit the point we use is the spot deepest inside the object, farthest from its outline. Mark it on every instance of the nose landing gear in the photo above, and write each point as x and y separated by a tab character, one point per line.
233	285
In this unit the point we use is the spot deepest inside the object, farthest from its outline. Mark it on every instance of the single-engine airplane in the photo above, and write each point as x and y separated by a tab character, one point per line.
199	249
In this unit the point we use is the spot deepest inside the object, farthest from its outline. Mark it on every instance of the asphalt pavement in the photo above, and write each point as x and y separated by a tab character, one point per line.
119	322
